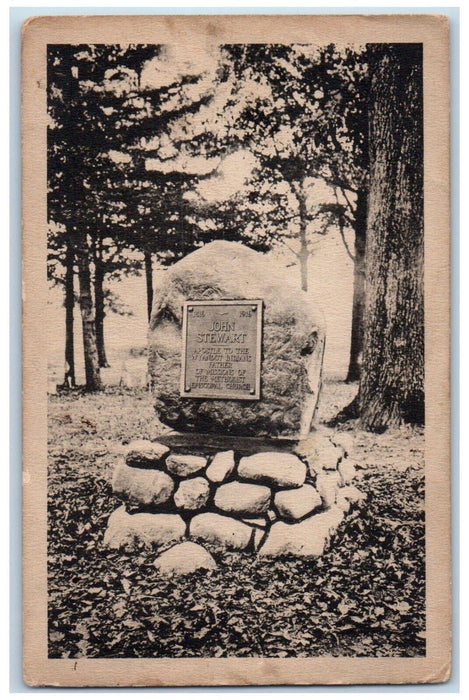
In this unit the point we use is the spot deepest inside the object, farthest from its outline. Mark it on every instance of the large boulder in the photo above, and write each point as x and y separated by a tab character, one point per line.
184	558
148	529
243	499
142	487
221	530
280	469
307	539
293	343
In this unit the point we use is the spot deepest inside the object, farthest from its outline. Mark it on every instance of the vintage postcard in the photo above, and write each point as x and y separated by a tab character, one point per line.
236	350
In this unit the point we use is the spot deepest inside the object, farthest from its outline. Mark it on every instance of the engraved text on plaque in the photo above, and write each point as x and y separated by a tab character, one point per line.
222	349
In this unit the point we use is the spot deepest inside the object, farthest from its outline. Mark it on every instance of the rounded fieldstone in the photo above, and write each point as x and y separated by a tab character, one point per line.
327	485
243	499
347	471
324	456
192	494
185	465
184	558
279	469
306	539
346	440
221	467
146	454
342	502
149	529
294	504
148	487
221	530
352	494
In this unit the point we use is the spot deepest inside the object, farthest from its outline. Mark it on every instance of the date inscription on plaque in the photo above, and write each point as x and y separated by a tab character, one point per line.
221	357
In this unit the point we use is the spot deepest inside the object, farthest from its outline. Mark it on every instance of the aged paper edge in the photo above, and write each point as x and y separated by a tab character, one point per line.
432	30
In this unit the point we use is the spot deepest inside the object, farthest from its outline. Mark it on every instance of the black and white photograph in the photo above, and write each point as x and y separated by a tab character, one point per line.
235	335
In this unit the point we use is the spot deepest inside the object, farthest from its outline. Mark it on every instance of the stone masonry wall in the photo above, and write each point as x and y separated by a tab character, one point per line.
269	503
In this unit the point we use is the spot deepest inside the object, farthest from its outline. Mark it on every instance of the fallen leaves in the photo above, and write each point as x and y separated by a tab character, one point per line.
126	585
364	597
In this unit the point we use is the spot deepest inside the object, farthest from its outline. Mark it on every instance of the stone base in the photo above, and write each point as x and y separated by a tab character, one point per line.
277	502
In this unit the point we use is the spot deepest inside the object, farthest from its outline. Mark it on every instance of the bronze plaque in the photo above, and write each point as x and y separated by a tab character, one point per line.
221	356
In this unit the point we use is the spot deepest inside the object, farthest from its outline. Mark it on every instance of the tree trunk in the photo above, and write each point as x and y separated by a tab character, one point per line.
69	375
99	303
304	253
92	373
303	257
392	383
358	305
149	281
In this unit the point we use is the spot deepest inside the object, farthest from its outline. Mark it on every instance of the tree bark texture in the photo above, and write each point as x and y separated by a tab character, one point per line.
69	302
92	373
99	304
149	281
392	383
358	304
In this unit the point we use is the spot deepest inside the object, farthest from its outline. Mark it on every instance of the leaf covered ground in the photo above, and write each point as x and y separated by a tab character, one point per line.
364	597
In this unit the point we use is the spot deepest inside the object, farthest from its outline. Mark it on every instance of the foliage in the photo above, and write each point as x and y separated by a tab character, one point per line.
307	114
114	173
299	115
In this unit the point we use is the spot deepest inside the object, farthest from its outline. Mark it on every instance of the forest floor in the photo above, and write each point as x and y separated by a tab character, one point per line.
364	597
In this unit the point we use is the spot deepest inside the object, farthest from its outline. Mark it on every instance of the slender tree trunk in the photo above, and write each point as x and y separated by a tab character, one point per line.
392	383
149	281
303	255
358	305
69	375
92	373
99	303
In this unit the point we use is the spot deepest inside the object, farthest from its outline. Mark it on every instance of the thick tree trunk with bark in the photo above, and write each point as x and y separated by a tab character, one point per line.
99	303
358	304
69	303
92	373
149	281
392	381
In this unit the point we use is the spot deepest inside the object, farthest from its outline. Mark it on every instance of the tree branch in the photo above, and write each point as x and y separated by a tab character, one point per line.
341	229
281	239
349	204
